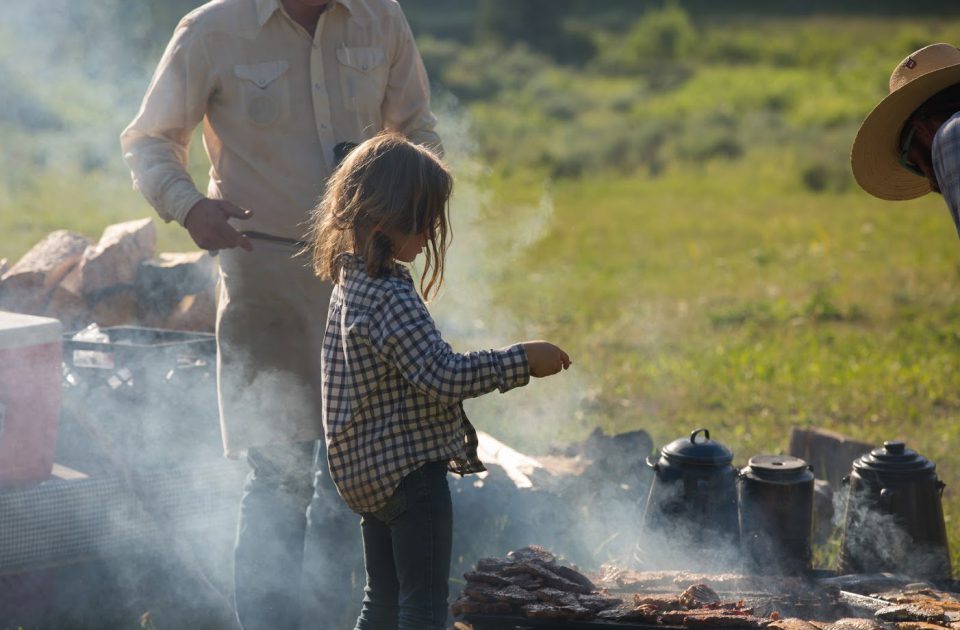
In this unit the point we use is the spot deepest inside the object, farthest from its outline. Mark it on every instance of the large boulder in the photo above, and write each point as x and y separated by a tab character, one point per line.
115	258
26	286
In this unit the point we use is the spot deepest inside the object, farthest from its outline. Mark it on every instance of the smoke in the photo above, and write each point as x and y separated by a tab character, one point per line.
590	519
877	540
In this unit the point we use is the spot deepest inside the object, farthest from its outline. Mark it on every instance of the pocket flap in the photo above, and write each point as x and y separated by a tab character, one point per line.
362	59
261	74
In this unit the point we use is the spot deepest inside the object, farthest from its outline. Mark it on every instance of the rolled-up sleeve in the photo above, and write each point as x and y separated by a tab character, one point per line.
406	336
406	104
156	143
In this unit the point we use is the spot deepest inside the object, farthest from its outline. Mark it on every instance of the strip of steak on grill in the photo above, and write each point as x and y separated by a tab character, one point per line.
557	597
481	577
569	573
721	615
532	553
697	595
491	565
791	623
911	612
855	623
549	611
646	614
480	592
465	606
722	619
597	602
515	595
549	578
659	602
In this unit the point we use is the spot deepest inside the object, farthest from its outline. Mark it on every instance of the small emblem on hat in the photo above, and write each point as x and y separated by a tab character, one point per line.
911	63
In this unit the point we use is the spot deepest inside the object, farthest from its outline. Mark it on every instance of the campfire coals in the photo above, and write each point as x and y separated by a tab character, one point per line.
530	582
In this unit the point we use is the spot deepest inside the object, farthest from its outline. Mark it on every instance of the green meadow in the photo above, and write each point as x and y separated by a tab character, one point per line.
698	243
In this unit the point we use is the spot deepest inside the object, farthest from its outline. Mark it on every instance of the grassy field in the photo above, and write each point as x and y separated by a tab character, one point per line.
698	247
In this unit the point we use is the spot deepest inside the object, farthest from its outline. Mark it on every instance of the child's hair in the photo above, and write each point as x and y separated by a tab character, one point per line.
385	183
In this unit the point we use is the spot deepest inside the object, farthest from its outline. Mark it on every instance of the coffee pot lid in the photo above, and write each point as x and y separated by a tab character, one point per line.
896	458
693	451
778	468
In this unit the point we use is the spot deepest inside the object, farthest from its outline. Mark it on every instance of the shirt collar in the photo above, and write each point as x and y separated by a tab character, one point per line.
349	260
266	8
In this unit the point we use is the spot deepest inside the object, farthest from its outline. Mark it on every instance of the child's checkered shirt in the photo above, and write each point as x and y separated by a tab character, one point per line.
393	389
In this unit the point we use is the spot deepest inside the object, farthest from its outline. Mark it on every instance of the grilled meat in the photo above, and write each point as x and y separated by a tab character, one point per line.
911	612
549	577
515	595
917	625
486	578
557	597
791	623
597	602
657	602
551	611
531	553
854	623
698	594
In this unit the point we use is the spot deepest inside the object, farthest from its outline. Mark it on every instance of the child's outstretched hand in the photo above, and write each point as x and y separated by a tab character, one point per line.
545	359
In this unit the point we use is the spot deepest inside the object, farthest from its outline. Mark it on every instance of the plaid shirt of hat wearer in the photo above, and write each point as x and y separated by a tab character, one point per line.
946	165
393	388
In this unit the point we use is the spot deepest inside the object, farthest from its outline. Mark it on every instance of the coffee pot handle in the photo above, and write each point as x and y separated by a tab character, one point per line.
940	487
652	462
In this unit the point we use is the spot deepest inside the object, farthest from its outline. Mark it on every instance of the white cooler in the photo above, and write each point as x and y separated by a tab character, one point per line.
31	353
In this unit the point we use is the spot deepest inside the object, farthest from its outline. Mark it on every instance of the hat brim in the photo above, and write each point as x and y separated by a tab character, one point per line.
875	157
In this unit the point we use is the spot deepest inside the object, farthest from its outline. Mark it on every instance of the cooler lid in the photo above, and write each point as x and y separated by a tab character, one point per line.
18	330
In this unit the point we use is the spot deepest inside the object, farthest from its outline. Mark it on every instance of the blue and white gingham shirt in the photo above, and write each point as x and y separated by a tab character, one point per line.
393	388
946	165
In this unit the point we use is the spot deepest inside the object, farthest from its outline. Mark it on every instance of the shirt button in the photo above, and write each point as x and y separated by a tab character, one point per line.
323	125
318	86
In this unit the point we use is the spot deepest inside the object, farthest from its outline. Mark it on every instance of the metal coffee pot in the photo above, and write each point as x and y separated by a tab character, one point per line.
693	496
894	516
776	514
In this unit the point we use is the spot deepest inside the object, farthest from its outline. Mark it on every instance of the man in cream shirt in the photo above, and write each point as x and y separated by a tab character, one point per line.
277	85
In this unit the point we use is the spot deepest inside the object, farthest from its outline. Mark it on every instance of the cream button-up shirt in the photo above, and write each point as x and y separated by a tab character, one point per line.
274	102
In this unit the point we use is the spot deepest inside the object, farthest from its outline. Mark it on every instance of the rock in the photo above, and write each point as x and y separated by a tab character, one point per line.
163	282
67	304
116	307
26	286
194	312
114	260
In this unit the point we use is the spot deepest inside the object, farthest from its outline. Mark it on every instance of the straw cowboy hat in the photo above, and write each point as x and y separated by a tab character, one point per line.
876	150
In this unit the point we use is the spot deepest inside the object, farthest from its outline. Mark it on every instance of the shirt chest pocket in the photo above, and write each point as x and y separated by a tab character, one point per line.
363	77
263	91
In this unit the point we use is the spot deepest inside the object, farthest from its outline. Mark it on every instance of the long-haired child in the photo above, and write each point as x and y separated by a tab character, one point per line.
392	387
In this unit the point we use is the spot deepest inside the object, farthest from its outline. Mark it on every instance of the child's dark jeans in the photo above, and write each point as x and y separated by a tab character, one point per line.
407	546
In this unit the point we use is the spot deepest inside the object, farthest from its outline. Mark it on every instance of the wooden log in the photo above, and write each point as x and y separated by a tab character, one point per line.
26	286
830	454
113	261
